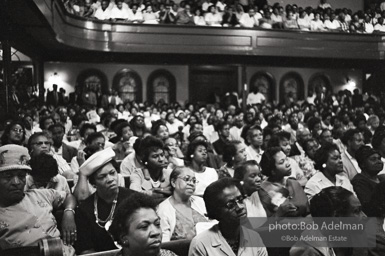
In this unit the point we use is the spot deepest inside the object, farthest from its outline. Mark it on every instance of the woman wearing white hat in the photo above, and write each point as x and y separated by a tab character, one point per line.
96	213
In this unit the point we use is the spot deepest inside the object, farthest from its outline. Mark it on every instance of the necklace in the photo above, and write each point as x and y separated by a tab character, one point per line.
107	223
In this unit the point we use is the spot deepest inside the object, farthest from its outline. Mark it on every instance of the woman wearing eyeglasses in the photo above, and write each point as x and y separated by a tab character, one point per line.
181	212
40	143
225	203
14	133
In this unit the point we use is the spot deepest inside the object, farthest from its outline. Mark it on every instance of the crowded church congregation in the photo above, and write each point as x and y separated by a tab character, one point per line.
119	137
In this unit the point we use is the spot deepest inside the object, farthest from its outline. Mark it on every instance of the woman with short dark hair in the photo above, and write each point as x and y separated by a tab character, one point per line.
126	141
196	158
282	139
45	174
137	227
251	177
281	195
234	153
329	163
155	179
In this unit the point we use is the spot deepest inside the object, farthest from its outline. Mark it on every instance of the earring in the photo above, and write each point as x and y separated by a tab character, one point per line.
145	163
324	166
192	156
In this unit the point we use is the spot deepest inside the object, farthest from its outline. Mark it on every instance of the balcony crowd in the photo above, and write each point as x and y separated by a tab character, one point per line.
226	13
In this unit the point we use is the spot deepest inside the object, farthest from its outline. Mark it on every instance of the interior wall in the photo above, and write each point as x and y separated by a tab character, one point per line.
354	5
338	77
68	72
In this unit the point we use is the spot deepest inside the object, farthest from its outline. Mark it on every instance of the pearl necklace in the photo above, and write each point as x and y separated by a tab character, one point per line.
107	223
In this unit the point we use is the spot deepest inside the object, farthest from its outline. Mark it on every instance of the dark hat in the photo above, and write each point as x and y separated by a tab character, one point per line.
363	153
195	135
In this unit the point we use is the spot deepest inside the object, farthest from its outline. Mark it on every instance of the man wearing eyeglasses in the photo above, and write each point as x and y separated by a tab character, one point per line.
224	202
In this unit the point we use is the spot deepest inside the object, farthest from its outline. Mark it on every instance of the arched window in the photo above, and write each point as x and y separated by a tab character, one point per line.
319	83
265	83
161	86
92	80
291	88
128	84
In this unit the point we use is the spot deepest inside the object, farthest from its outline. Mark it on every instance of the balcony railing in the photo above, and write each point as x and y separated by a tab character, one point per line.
142	38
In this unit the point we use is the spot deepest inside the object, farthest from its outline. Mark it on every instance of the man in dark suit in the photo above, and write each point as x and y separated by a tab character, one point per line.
224	137
302	135
62	149
53	96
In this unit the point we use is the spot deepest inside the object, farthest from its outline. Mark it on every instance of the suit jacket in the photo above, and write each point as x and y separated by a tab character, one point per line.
211	242
294	150
349	169
219	146
104	101
68	152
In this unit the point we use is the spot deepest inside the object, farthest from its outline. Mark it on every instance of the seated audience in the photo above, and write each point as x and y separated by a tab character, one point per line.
329	202
225	203
137	229
251	177
45	174
329	163
126	140
213	17
157	182
282	139
365	182
59	147
182	211
255	141
39	143
280	194
95	214
234	153
14	133
185	17
196	158
26	216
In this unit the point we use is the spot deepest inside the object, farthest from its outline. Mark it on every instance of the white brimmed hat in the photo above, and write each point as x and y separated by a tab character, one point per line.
97	160
14	157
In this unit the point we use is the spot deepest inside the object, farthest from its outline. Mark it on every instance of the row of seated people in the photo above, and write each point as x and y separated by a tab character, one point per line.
160	164
221	14
179	189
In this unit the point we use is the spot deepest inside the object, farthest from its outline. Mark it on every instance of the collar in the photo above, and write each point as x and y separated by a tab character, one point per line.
348	155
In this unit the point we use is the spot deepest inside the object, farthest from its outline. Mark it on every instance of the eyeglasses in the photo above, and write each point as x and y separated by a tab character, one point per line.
40	143
17	130
187	178
233	203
